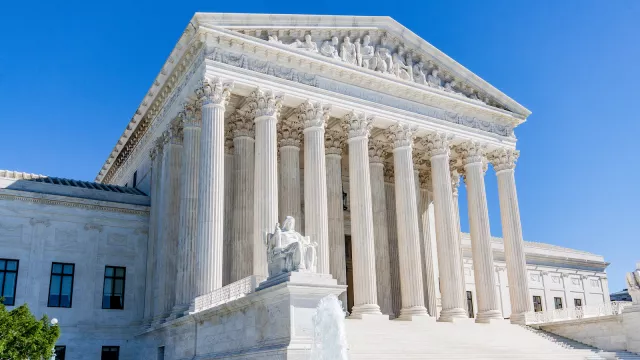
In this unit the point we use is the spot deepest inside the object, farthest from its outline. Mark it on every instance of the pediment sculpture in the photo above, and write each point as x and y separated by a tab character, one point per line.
633	285
288	250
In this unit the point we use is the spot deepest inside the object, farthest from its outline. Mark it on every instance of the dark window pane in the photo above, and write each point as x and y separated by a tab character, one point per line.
9	283
108	271
60	352
57	269
120	272
107	286
116	302
2	264
55	285
106	302
54	300
68	269
12	265
65	301
1	284
118	288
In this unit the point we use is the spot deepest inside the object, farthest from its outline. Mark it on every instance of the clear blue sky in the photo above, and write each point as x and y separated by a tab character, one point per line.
73	73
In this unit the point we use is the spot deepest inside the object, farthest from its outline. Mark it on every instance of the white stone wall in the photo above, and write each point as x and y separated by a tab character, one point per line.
38	229
604	332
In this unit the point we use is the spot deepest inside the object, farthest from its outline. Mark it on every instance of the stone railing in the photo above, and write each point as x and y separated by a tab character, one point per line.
579	312
227	293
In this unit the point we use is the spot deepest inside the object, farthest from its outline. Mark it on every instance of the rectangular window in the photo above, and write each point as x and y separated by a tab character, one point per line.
577	302
161	353
470	303
537	303
110	353
60	351
61	285
135	178
113	289
8	281
558	302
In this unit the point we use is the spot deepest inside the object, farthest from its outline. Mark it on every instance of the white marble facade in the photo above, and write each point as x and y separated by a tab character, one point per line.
354	126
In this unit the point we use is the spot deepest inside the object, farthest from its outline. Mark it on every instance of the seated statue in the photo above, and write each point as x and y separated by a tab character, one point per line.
633	285
288	250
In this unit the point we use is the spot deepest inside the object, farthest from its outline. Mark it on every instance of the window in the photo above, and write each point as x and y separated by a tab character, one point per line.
577	302
558	302
8	280
110	352
113	289
470	303
61	285
161	353
135	178
537	303
60	351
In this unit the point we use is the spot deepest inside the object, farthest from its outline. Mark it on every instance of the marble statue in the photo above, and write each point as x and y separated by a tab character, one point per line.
418	73
329	48
288	250
367	53
402	68
348	51
274	39
433	79
307	44
633	284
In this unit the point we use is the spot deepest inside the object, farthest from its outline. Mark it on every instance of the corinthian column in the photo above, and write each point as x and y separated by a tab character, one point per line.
289	136
314	117
169	217
214	96
362	240
449	260
334	142
408	233
454	168
265	108
428	268
152	244
230	189
392	235
504	162
473	160
188	208
377	154
244	166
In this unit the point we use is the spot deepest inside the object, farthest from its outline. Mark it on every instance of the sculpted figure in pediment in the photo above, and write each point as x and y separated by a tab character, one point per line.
449	86
384	60
307	44
329	48
402	66
433	79
367	53
274	39
418	74
348	51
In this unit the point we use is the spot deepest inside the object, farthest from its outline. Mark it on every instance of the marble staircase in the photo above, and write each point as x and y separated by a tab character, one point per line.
399	340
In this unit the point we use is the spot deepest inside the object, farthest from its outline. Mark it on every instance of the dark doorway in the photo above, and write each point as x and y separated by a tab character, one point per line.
470	303
347	251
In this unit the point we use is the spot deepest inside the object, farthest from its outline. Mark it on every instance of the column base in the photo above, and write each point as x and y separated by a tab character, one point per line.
369	317
489	316
451	315
518	319
413	312
365	309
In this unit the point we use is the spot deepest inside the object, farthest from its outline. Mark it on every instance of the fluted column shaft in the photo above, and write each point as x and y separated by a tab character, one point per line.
362	239
408	231
170	219
290	193
503	161
392	235
455	184
242	243
449	259
483	267
152	243
214	96
381	239
428	273
229	194
188	211
337	258
265	205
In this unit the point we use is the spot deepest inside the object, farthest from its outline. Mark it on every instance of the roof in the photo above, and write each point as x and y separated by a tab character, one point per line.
164	83
17	175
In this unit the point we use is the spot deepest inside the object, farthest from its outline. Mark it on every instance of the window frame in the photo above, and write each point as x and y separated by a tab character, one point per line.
64	351
555	302
62	275
3	274
539	298
104	347
114	277
576	301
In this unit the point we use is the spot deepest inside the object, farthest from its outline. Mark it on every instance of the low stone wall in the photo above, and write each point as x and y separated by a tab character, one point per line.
604	332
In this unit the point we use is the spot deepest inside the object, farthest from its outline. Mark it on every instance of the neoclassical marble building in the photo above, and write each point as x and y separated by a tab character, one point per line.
356	127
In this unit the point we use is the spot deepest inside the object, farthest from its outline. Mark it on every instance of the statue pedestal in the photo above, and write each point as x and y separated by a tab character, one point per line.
302	278
631	325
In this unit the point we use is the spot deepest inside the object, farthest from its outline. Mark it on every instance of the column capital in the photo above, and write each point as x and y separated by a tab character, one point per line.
156	148
174	134
472	152
214	91
334	141
357	124
241	125
504	159
289	132
454	168
402	135
437	143
313	114
192	114
263	102
377	151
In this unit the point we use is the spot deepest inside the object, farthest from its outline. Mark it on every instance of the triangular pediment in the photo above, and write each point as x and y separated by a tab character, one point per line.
375	44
